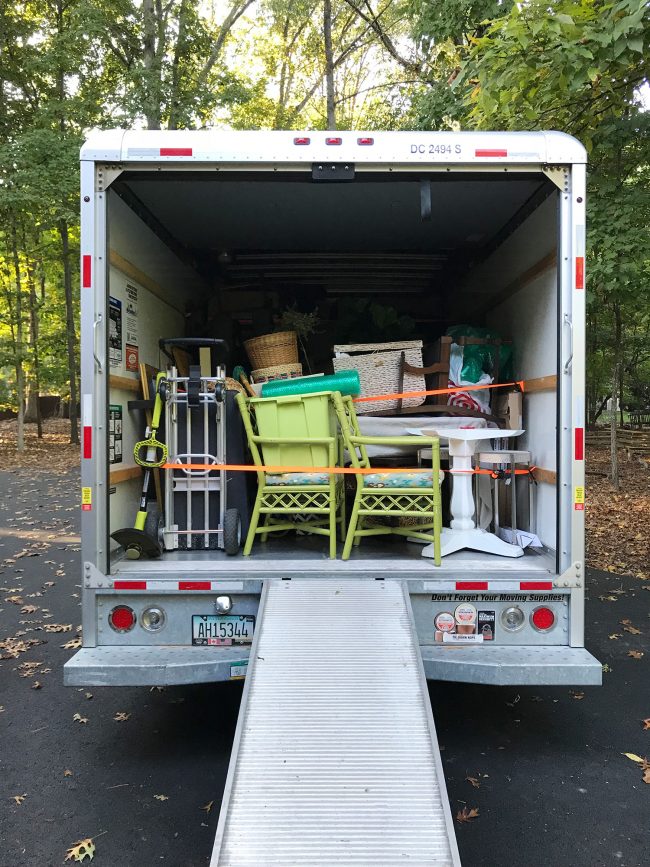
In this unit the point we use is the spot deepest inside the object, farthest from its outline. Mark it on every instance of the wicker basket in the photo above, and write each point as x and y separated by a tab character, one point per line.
379	366
270	350
278	371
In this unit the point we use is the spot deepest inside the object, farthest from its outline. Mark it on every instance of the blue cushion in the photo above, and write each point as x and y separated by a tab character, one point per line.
422	479
298	479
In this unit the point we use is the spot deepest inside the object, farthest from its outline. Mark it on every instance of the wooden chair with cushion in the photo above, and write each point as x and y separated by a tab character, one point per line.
392	495
305	501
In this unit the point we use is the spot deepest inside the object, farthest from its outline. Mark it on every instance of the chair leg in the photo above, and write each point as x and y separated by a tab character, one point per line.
342	515
265	522
333	529
352	528
357	539
255	517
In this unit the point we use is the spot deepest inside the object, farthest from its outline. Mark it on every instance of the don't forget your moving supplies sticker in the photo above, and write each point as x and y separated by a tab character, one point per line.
464	625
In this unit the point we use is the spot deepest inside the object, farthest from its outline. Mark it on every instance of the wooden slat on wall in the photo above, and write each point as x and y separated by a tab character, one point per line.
124	382
132	271
123	475
546	477
540	383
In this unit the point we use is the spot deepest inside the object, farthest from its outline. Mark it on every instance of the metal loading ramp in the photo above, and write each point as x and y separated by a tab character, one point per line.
335	759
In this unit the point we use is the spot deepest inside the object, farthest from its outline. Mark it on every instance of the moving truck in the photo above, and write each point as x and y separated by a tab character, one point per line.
213	234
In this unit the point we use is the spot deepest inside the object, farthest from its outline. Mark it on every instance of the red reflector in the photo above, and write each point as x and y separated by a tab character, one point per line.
580	272
365	141
471	585
542	618
302	140
122	618
86	271
129	585
194	585
579	444
490	153
535	585
333	141
175	152
88	443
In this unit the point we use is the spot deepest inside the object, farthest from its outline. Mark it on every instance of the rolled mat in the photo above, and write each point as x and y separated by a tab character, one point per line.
345	381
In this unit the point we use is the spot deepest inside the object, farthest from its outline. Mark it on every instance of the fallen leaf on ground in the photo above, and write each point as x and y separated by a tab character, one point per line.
635	654
19	798
634	758
646	723
73	644
614	636
466	815
121	716
36	685
58	627
646	776
28	609
608	598
67	773
161	797
80	719
476	783
207	807
80	850
632	630
577	695
88	695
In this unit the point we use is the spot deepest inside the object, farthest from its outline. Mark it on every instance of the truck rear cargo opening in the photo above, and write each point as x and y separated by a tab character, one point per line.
397	242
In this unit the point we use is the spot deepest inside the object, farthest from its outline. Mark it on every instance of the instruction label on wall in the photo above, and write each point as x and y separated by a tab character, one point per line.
86	499
131	318
579	499
115	433
114	331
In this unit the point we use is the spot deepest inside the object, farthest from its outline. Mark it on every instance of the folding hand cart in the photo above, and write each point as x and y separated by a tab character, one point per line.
196	508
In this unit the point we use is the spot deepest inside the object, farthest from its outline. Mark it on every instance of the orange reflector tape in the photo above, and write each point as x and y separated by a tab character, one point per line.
333	471
377	397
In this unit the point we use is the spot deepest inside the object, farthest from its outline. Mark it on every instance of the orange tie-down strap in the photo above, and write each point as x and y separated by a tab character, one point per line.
341	471
402	394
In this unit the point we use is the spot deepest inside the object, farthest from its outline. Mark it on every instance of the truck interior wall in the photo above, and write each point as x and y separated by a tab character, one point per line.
526	262
499	292
159	311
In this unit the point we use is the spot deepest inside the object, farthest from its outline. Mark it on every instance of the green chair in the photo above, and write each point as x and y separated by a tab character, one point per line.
390	495
284	498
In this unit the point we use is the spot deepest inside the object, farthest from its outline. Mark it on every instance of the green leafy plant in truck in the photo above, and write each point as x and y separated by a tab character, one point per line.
304	324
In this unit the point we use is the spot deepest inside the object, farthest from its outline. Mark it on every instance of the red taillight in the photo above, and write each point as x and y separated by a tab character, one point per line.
122	618
333	140
365	141
542	618
302	140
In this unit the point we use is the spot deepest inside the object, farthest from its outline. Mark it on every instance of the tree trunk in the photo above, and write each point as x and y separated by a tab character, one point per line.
329	64
20	373
616	392
151	101
33	411
71	337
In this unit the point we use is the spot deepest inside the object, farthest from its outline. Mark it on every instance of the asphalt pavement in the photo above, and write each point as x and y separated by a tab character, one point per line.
144	775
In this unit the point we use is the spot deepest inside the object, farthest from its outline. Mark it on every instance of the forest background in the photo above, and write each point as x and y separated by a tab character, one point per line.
68	66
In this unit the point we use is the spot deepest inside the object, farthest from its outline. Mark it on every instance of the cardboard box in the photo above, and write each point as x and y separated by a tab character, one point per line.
510	407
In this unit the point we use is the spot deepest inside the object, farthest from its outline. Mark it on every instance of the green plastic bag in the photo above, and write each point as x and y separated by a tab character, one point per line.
479	359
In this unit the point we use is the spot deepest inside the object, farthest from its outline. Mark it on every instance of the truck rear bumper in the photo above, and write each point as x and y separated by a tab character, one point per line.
154	666
165	666
513	666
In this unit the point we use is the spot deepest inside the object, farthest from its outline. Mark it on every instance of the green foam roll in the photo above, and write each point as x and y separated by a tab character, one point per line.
345	381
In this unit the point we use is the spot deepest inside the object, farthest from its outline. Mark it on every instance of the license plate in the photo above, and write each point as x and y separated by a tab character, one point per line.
220	629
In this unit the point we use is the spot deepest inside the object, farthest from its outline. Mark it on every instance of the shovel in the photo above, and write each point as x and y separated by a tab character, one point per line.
136	541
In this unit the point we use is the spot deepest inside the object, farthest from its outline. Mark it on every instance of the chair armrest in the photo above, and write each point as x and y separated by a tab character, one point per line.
305	441
415	441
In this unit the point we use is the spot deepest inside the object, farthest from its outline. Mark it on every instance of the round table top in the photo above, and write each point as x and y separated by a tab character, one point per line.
463	433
